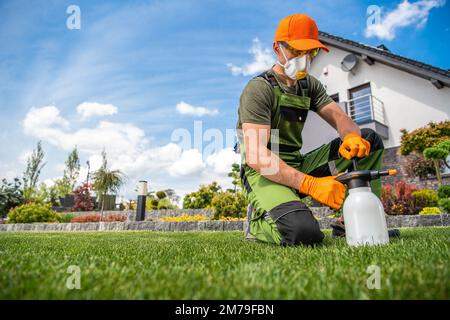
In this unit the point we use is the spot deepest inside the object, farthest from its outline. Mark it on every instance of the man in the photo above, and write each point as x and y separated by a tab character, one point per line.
272	112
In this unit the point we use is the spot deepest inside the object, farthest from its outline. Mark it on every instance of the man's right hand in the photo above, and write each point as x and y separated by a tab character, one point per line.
325	190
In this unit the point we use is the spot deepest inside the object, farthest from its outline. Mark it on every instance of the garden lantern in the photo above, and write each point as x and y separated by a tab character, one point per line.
142	194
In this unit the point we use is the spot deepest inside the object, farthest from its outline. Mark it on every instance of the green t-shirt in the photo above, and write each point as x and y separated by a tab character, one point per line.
257	99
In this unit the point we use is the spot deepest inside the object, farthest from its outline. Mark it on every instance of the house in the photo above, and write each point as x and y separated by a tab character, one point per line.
379	90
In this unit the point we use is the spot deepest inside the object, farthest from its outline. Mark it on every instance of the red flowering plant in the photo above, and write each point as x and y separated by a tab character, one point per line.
397	199
82	198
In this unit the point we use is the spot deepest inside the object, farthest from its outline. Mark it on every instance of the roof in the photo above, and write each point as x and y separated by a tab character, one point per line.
439	77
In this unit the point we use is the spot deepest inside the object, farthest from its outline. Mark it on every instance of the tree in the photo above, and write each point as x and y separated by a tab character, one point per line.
106	180
72	170
46	195
66	184
11	195
31	174
437	154
235	174
202	198
62	187
83	200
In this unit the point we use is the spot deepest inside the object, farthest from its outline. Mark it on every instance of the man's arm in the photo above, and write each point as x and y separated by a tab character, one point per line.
326	190
338	119
353	145
263	160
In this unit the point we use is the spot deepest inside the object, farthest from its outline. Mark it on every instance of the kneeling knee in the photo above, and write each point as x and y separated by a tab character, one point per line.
304	231
297	224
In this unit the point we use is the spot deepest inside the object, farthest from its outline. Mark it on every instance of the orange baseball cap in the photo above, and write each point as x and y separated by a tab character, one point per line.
300	32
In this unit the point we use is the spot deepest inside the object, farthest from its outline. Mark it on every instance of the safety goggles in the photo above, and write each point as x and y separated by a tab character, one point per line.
312	53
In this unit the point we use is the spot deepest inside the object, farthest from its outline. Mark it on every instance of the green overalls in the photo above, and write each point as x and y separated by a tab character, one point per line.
288	115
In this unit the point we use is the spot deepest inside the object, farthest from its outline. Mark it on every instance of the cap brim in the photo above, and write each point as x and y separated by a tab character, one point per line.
307	44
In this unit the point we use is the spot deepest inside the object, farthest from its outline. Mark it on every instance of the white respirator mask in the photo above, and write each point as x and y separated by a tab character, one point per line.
296	68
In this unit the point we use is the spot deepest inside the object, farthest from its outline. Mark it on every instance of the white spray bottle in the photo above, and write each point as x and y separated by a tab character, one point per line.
364	218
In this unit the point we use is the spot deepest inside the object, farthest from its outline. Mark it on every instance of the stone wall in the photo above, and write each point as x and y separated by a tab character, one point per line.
394	160
210	225
156	214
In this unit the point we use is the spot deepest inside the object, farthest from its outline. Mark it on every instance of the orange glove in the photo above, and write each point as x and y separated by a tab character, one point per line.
326	190
354	145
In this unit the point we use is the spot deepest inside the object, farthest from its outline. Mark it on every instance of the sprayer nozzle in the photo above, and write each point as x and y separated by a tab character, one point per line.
392	172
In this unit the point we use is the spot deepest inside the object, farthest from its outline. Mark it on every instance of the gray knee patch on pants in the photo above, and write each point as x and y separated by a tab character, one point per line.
296	224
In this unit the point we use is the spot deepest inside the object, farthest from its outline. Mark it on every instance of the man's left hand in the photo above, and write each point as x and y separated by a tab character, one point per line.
354	146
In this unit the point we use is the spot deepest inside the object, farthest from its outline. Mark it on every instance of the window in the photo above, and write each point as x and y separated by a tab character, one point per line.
359	106
335	97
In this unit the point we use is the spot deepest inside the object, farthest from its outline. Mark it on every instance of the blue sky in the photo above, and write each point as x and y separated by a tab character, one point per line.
136	61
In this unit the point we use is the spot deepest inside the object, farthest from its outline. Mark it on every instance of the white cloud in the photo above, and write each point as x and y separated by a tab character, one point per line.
46	124
262	60
221	161
127	147
43	117
91	109
185	108
189	163
406	14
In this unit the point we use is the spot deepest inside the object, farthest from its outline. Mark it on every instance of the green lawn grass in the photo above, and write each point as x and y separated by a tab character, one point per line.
219	265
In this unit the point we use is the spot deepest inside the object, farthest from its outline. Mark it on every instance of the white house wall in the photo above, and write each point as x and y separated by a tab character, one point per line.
409	101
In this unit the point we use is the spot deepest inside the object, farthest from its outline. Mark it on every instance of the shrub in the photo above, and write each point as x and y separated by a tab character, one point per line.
66	218
161	200
444	191
229	204
164	203
82	198
417	166
96	218
430	210
445	204
428	136
33	212
161	195
425	198
11	195
397	199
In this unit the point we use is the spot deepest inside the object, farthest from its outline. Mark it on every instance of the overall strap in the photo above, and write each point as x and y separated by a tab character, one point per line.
269	78
303	86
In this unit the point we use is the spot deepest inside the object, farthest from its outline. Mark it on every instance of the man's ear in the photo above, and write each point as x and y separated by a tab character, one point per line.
276	48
